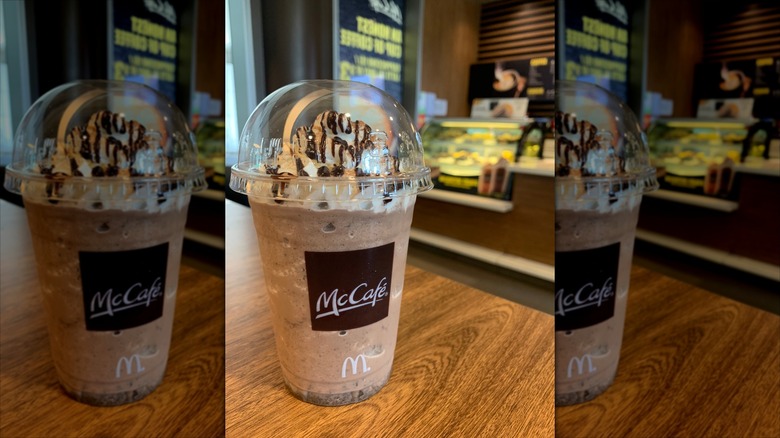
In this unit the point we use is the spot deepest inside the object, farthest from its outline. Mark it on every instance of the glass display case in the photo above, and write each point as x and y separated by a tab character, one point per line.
696	155
473	155
210	135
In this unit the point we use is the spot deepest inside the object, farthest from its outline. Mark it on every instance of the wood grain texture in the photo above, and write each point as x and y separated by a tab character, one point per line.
190	401
449	47
519	29
682	34
742	31
210	57
527	231
458	33
467	363
693	364
674	47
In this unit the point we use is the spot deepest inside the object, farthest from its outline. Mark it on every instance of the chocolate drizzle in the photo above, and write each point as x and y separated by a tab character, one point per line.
96	146
342	145
573	155
334	142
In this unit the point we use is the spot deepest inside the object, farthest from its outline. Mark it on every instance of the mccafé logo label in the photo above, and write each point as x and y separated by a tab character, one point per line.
336	304
585	286
123	289
349	289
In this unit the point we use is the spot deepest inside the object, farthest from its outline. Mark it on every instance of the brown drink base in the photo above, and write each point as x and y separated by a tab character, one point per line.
586	359
324	367
103	368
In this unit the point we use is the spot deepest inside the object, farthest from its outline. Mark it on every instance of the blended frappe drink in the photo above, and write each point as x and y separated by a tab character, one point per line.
348	362
595	250
602	170
106	201
332	201
112	364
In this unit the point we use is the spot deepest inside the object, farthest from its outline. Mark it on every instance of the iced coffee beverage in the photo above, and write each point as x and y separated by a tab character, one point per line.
332	203
602	171
335	343
106	204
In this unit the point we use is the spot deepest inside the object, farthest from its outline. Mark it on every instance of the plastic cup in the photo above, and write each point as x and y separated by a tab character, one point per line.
602	170
331	170
105	170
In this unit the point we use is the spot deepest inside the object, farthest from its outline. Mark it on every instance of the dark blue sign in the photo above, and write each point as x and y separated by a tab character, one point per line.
144	44
595	41
371	42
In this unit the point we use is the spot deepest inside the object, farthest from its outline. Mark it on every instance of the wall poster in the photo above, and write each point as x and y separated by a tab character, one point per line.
739	89
518	78
370	37
143	44
595	43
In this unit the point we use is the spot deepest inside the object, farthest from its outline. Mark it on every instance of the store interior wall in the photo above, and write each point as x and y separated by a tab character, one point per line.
210	64
459	33
297	41
675	46
66	42
742	30
680	36
449	47
519	29
683	34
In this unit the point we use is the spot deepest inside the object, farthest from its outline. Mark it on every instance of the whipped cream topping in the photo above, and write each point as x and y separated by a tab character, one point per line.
334	146
108	145
91	168
594	174
582	149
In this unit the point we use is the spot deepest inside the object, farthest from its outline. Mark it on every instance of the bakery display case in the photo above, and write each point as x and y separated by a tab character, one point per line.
517	201
474	156
698	156
716	179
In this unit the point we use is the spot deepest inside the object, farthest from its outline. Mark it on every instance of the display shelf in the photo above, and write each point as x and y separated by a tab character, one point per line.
468	200
746	264
695	200
497	258
539	167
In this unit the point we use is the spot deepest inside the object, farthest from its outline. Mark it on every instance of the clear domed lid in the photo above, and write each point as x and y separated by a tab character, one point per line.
599	141
92	132
326	132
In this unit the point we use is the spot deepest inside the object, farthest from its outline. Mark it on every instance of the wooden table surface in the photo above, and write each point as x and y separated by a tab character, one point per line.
190	401
467	363
693	364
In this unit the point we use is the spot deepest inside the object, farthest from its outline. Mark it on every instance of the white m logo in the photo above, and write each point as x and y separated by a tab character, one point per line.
128	365
354	363
580	361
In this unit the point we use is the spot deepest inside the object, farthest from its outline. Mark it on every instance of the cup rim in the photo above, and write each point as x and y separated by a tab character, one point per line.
192	181
420	180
